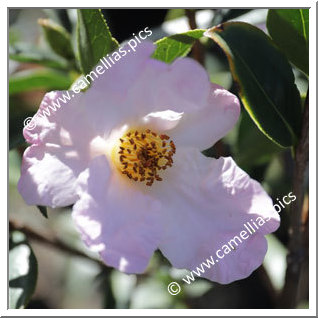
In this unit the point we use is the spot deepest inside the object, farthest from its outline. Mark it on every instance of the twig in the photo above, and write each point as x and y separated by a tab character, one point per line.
296	250
197	49
52	241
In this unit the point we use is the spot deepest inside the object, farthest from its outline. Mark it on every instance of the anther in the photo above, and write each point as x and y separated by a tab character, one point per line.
147	153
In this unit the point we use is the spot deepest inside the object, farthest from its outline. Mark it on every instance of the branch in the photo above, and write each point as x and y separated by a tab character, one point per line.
267	284
52	241
296	249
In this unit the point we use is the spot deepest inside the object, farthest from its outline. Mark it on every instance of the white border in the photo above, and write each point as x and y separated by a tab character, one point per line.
312	166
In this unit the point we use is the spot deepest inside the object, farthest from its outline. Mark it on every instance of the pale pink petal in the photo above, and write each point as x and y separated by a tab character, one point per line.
120	222
48	176
138	84
204	128
55	120
110	99
208	201
161	121
184	87
62	143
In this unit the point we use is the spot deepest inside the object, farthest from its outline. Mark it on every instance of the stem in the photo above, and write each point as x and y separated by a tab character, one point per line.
52	241
296	249
197	49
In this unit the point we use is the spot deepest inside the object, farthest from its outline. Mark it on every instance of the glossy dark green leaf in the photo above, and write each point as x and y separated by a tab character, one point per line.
27	53
264	78
58	38
23	271
177	45
252	147
38	79
94	39
289	28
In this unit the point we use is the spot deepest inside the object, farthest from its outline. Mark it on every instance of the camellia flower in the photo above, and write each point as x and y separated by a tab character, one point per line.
127	154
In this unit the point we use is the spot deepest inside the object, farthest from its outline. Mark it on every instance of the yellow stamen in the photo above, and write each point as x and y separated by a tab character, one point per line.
141	154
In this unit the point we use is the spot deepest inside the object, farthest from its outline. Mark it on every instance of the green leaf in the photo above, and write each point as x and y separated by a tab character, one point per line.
264	78
177	45
94	39
58	38
23	270
43	210
289	28
14	167
27	53
38	79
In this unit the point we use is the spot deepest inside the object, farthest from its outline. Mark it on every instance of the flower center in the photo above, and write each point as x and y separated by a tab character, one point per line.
141	154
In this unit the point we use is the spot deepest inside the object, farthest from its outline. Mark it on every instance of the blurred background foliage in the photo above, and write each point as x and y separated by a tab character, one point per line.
68	279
